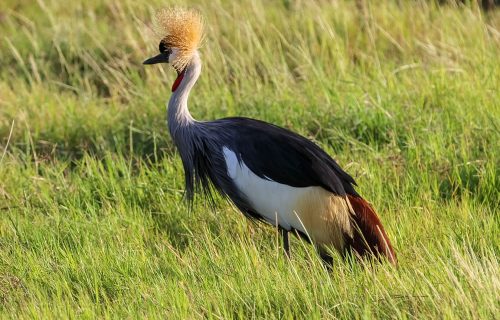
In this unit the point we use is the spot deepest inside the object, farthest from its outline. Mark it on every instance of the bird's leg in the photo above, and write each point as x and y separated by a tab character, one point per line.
286	243
325	257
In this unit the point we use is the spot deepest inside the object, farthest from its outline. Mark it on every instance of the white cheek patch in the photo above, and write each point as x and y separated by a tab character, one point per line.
174	55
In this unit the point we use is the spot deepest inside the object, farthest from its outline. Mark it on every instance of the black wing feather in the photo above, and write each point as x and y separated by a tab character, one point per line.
281	155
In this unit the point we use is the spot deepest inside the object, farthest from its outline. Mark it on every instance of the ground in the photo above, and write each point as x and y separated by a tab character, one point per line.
404	95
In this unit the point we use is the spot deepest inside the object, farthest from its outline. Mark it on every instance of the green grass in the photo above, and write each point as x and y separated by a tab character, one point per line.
405	95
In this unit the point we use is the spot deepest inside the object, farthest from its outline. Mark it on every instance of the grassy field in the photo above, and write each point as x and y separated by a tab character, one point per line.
92	220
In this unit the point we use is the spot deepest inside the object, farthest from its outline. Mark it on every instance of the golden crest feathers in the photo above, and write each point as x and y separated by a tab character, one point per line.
182	29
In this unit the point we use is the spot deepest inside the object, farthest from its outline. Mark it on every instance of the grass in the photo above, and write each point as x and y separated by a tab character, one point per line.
92	223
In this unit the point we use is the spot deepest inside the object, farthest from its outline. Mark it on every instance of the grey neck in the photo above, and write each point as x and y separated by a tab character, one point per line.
178	112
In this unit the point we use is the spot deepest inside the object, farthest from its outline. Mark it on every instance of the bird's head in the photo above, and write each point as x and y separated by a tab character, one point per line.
181	32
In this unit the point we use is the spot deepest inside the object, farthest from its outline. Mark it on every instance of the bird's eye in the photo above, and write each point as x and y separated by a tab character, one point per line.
162	47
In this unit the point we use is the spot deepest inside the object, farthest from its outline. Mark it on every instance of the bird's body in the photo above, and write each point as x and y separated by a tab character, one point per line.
266	174
271	174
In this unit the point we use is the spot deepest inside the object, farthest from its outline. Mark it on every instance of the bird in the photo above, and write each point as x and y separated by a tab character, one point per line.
271	174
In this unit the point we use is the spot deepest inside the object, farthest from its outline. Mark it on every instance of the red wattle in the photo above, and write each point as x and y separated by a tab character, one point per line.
177	81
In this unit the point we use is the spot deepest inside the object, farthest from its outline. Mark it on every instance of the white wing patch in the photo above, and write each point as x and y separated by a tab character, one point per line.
231	162
316	212
270	199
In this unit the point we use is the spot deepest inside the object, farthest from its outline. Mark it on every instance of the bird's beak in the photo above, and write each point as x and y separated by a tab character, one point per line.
161	58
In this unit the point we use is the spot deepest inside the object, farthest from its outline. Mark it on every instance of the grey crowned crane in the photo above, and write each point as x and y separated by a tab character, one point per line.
270	173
